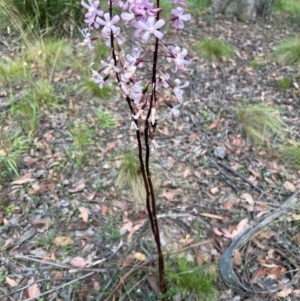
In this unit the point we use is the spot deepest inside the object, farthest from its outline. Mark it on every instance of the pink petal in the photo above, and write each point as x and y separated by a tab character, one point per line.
151	21
115	19
186	17
158	34
159	24
100	21
146	36
107	17
142	25
84	5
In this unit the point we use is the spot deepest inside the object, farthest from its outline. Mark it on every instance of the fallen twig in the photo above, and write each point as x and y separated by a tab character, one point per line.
59	287
239	175
226	267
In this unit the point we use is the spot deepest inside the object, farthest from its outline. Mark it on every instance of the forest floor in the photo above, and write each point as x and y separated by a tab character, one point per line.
68	233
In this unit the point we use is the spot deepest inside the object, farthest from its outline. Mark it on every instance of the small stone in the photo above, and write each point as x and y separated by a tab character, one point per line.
220	152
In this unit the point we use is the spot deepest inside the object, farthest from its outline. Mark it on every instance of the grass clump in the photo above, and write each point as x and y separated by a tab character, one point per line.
284	83
46	54
259	123
291	155
11	71
185	278
288	7
89	88
105	119
11	148
81	135
58	17
42	93
288	52
130	178
254	64
198	6
25	114
213	49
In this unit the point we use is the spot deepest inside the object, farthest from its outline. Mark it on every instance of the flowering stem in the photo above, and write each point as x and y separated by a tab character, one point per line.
152	207
144	16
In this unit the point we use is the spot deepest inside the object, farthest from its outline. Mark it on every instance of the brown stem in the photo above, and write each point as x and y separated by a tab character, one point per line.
152	211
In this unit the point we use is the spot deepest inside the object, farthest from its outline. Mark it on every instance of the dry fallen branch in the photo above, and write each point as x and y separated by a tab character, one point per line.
226	267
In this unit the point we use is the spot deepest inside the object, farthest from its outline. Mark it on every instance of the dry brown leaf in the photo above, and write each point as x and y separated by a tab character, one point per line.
122	205
297	292
258	244
289	186
170	195
202	257
104	208
260	272
111	145
33	289
186	173
226	233
237	258
126	227
214	190
128	261
212	216
217	232
90	196
240	227
237	142
228	205
84	213
285	292
214	124
56	276
275	272
78	262
248	198
11	282
79	186
153	284
3	153
134	229
296	217
254	172
139	256
186	241
23	180
63	240
266	235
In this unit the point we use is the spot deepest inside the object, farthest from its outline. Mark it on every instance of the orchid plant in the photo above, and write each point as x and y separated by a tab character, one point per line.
127	70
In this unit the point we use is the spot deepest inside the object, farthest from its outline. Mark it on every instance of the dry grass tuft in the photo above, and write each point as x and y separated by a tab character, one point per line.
259	124
131	179
291	156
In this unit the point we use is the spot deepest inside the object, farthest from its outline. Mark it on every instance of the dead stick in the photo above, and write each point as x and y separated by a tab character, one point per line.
59	287
239	175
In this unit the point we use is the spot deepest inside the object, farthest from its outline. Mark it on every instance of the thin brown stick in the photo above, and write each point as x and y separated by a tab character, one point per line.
59	287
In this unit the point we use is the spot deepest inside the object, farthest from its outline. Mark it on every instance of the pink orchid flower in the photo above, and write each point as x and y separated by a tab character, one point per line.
177	56
93	11
178	89
151	27
87	41
108	23
180	17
